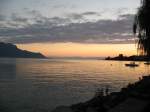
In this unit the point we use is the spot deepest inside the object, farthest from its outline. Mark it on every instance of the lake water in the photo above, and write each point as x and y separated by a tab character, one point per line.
39	85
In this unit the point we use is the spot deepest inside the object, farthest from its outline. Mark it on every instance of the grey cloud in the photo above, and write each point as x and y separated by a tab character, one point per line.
127	16
16	18
76	16
122	10
2	17
63	30
82	16
34	12
91	13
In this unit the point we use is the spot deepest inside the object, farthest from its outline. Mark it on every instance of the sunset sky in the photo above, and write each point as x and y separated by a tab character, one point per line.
87	28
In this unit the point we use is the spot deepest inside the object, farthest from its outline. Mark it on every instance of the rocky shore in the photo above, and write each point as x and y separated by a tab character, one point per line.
133	98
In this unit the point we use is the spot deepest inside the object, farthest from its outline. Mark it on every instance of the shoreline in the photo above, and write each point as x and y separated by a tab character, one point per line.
121	57
134	97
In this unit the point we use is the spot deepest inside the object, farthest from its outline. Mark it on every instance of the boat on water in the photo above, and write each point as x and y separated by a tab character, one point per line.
132	64
147	63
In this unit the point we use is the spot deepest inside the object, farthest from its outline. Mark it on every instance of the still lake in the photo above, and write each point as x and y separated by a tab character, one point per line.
39	85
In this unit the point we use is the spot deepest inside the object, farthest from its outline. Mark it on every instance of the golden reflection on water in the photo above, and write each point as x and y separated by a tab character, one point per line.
91	71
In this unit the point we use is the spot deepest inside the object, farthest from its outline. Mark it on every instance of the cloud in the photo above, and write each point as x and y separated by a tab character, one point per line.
82	17
127	16
64	29
16	18
90	13
75	16
2	17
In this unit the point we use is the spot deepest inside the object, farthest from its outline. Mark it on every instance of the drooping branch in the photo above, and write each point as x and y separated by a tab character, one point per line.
141	27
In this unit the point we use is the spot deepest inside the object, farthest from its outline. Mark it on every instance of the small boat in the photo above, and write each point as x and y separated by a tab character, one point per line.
132	64
147	63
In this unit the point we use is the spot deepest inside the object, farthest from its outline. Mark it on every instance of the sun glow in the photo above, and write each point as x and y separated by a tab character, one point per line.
81	50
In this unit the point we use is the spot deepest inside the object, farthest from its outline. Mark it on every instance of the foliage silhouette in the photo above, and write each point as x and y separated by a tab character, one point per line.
141	27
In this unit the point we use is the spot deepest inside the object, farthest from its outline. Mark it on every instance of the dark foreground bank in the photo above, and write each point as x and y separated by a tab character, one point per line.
133	98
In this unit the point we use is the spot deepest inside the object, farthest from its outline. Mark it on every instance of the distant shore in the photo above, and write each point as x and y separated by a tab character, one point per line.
133	98
129	58
8	50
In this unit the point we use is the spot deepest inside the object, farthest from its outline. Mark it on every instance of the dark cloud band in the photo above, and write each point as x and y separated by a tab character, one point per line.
63	29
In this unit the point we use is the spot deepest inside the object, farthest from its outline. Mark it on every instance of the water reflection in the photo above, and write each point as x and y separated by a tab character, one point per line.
7	71
34	85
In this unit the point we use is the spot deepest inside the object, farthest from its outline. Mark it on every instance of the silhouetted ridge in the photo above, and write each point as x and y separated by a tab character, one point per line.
10	50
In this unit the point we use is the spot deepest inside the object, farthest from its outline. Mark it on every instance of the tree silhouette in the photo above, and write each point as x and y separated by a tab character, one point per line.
141	27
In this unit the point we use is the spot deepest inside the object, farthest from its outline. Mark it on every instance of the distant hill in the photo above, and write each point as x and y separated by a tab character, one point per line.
10	50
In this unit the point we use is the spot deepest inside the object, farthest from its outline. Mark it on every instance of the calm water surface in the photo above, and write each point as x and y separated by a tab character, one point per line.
39	85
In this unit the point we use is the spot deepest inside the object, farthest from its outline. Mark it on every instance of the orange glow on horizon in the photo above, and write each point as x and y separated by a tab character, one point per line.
81	50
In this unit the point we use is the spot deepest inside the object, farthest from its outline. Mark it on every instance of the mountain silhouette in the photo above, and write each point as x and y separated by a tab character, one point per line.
10	50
